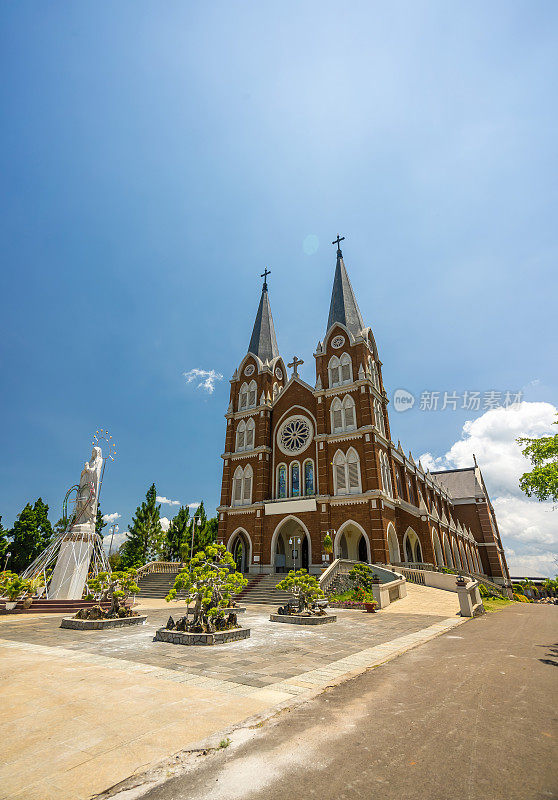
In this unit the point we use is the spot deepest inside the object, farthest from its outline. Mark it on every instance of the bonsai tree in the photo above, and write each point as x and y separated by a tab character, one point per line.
209	581
304	587
116	587
362	577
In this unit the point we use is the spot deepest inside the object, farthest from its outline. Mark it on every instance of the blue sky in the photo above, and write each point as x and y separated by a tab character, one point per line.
156	156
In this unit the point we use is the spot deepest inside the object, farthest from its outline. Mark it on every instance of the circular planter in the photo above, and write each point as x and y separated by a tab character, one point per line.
219	637
100	624
298	619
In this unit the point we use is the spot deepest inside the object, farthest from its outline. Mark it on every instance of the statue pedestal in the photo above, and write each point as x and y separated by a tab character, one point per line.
72	565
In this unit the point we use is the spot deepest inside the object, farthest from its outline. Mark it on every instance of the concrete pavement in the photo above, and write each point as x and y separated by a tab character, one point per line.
473	716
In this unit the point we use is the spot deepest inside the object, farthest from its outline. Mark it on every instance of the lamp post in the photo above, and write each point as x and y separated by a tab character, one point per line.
114	528
294	541
6	561
196	522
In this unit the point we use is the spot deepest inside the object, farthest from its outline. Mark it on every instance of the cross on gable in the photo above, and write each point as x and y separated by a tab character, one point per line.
264	275
294	365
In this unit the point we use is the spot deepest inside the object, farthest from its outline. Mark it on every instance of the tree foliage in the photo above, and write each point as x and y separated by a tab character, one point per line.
117	588
362	576
32	533
99	522
145	537
542	481
178	535
4	544
209	581
304	587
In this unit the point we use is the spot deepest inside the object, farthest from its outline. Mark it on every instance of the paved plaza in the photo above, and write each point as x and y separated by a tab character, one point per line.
82	710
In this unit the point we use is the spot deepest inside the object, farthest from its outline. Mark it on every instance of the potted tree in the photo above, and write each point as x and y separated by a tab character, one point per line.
13	587
328	545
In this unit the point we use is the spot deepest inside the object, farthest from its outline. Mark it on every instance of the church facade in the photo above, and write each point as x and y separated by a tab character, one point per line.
301	462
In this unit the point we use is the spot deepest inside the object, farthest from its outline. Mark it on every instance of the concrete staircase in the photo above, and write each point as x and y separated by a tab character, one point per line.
157	585
261	589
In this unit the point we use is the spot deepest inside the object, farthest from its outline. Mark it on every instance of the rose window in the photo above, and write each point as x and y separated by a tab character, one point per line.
295	435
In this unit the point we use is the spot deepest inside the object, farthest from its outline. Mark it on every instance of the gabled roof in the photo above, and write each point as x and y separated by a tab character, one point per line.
344	307
460	482
263	342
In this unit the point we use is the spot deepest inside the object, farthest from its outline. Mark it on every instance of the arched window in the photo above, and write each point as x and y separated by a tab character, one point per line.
242	486
247	497
379	417
393	545
243	397
447	553
309	477
343	414
373	373
398	482
346	368
386	474
250	433
252	390
237	486
346	472
334	370
241	435
281	480
456	559
295	479
349	413
336	416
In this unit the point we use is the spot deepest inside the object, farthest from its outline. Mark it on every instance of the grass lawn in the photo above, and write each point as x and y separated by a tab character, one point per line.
495	603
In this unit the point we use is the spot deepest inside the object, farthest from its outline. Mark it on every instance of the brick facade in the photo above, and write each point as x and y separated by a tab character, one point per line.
413	519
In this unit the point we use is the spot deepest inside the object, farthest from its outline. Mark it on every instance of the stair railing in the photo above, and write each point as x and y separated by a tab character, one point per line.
159	566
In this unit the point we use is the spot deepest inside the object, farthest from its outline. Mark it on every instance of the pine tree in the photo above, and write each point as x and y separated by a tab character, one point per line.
145	537
4	544
177	535
99	522
30	532
43	524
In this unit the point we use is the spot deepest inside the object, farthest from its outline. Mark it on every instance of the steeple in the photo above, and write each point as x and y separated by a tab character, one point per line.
344	307
263	342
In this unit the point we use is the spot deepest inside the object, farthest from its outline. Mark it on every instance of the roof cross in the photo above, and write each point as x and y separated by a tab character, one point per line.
337	242
295	364
264	275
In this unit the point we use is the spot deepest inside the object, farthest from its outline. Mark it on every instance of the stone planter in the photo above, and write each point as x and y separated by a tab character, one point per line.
27	602
100	624
370	608
353	605
231	610
298	619
219	637
10	605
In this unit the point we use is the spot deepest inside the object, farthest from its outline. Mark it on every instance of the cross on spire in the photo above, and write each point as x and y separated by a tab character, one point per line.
337	242
295	364
264	275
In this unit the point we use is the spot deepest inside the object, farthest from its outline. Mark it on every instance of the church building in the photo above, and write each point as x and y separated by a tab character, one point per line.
301	462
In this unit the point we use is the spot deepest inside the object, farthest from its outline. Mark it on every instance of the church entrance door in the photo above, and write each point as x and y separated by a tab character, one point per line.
240	553
304	553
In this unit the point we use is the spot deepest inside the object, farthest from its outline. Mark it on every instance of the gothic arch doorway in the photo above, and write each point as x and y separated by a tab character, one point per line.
351	542
291	546
240	548
411	547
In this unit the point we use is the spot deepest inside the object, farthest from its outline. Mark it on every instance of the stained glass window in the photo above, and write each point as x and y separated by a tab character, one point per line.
295	480
282	481
309	478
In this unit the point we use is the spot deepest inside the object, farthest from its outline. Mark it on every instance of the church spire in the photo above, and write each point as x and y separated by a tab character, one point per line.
263	342
344	307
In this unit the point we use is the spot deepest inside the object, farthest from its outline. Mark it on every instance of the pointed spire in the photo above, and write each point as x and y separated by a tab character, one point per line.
344	307
263	342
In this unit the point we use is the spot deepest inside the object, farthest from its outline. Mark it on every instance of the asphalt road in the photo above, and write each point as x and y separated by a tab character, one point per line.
469	715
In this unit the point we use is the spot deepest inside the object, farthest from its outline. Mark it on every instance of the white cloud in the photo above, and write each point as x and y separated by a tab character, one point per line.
529	529
165	523
194	505
205	378
166	502
111	517
119	539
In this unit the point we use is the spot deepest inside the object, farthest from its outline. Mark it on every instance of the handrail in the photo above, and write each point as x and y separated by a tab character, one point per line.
475	576
159	566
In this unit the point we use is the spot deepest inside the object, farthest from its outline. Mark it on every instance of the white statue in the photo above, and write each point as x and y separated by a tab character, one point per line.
88	493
